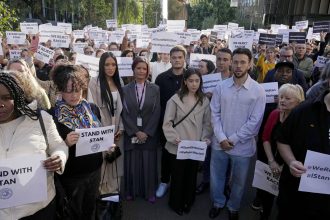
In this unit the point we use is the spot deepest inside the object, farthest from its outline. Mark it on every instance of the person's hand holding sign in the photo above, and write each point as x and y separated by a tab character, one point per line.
53	163
72	138
297	168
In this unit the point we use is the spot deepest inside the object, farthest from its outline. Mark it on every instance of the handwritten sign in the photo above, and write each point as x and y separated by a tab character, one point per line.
271	90
195	58
14	37
23	180
321	61
15	54
317	177
264	178
125	66
94	140
29	28
193	150
163	42
210	81
91	62
59	40
44	54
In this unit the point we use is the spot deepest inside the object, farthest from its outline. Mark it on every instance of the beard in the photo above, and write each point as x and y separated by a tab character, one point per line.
240	75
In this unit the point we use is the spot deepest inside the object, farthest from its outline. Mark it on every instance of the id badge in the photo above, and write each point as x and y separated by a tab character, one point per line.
139	121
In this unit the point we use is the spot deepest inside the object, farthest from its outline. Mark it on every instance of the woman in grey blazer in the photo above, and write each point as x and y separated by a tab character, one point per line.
140	115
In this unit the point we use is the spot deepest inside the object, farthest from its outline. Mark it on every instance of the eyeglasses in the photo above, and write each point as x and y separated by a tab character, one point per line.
89	52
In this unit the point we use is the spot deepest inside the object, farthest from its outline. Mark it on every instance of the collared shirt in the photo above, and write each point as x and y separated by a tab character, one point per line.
237	115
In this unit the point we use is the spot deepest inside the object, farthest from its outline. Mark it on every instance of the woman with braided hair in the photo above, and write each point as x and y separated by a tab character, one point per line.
21	135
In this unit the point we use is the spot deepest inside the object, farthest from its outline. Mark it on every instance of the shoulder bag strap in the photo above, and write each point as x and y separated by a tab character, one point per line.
176	124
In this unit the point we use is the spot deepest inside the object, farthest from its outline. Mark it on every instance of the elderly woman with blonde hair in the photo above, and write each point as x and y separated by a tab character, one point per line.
22	136
289	96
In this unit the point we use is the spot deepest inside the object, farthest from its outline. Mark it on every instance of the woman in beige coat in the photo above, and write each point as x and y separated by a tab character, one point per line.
195	127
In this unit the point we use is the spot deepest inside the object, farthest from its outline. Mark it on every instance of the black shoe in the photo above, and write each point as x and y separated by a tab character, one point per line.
186	209
232	215
178	211
202	187
214	212
256	204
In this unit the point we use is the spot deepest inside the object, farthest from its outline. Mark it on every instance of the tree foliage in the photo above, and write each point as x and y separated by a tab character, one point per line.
8	18
207	13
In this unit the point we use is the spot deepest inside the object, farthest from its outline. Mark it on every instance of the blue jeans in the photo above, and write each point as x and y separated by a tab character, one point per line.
239	171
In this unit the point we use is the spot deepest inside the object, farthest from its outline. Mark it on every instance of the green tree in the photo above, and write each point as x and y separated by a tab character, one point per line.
8	18
153	12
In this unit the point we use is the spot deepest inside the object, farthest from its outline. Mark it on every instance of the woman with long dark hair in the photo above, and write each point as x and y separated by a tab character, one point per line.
191	104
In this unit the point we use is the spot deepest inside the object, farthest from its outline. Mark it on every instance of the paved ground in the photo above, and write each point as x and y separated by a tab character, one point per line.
143	210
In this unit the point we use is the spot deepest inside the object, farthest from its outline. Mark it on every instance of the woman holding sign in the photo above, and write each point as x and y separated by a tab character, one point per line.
140	116
187	117
22	139
82	174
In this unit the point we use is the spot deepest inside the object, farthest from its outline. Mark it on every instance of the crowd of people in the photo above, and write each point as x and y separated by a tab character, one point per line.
161	105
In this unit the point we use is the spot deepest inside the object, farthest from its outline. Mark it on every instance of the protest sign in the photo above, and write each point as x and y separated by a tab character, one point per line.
163	42
98	35
29	28
317	177
210	81
15	37
234	3
66	26
213	36
51	28
242	40
78	34
117	37
271	90
279	39
311	35
220	27
301	25
193	150
232	26
1	50
268	39
116	53
264	178
274	28
94	140
143	40
321	61
298	37
195	58
321	26
60	40
15	54
23	180
44	37
91	62
285	33
184	38
176	25
125	66
112	23
79	47
44	54
256	37
195	36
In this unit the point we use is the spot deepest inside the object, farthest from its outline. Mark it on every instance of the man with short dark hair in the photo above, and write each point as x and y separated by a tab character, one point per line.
204	47
237	108
223	63
169	83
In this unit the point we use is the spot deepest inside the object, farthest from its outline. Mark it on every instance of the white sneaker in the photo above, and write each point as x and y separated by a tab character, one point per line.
162	188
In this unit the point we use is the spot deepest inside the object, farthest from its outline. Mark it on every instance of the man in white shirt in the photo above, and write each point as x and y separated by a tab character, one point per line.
160	67
237	107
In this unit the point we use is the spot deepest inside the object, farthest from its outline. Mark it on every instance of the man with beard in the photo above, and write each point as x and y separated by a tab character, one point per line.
237	107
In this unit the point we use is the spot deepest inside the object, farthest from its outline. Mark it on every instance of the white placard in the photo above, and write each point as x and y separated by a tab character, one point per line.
193	150
210	81
51	28
195	36
116	53
264	178
184	38
117	37
241	41
94	140
195	58
163	42
78	34
176	25
79	47
311	35
91	62
44	37
15	37
302	24
98	35
125	66
220	27
112	23
317	177
321	61
66	26
23	180
59	40
15	54
271	90
143	40
285	33
1	50
44	54
29	28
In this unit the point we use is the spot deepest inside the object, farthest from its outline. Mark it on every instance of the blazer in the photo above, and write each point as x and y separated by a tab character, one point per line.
150	115
196	127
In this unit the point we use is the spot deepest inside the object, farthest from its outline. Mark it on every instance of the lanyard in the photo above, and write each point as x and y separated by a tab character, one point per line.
137	95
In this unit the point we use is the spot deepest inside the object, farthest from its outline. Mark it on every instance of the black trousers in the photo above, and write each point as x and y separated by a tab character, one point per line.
267	201
183	182
83	190
165	170
46	213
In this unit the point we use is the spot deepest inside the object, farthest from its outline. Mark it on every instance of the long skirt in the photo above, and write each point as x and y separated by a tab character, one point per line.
140	173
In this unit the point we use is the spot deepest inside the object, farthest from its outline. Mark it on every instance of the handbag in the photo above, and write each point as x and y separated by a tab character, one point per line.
113	154
110	209
192	109
64	207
